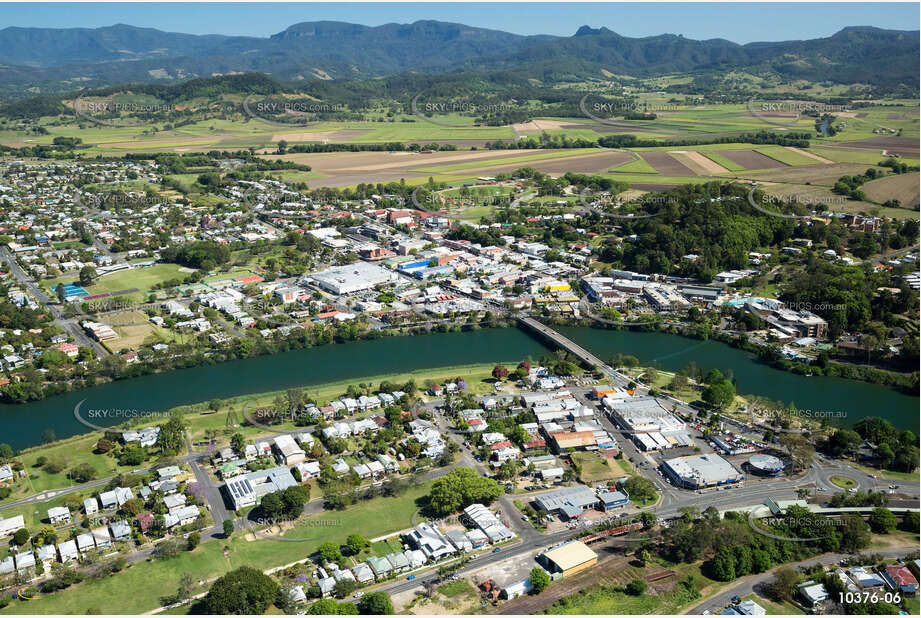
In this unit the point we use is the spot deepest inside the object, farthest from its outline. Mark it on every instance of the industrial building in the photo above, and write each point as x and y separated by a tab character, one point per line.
569	502
568	559
352	277
651	426
699	471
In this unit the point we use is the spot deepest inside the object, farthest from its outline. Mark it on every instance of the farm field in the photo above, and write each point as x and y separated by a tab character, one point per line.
666	164
903	187
786	156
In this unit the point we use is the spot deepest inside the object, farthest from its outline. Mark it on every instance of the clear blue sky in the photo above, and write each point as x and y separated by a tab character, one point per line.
742	23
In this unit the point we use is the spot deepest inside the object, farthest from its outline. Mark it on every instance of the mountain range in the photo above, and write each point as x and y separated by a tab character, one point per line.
69	59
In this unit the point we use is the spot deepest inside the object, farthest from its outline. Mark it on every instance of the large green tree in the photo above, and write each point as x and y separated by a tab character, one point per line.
244	590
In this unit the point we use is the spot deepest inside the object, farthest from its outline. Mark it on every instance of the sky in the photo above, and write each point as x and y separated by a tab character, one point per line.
739	22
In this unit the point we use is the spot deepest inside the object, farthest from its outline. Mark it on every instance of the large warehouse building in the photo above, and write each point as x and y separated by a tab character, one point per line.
699	471
569	558
651	426
352	277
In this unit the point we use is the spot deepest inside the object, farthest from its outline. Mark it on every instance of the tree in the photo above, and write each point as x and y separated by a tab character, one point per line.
800	449
882	520
375	604
640	488
193	540
855	533
87	274
228	528
784	584
244	590
719	395
499	372
356	543
460	488
329	552
83	473
636	587
21	537
345	587
540	579
238	442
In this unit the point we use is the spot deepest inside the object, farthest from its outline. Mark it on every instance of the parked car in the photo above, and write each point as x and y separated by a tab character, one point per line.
496	550
410	578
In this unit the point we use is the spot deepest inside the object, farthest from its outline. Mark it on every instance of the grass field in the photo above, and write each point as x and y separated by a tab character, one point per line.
774	608
902	187
483	163
788	157
595	467
141	278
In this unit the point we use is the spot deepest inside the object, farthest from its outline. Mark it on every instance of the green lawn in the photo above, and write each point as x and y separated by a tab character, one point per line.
774	608
843	482
141	278
594	467
539	156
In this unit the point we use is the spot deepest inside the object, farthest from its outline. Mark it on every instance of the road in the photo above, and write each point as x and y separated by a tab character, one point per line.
753	583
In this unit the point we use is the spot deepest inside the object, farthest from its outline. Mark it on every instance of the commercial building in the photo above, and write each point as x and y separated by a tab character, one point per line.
288	452
699	471
352	277
569	558
651	426
569	502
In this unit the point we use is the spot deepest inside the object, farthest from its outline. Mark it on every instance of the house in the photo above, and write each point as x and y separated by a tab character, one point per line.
296	594
108	499
7	565
174	501
68	551
399	561
812	593
326	585
59	515
459	540
46	553
363	573
121	530
169	472
381	566
899	577
429	540
181	516
10	525
415	557
25	560
288	452
6	474
101	537
145	521
91	506
85	543
308	469
122	495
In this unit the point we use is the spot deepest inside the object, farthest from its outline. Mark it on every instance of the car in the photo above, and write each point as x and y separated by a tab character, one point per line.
358	595
496	550
893	487
852	490
410	578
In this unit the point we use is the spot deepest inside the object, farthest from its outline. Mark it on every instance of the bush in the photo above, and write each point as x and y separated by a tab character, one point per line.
635	587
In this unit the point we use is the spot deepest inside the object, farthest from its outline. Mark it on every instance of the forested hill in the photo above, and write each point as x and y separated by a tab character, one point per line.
56	59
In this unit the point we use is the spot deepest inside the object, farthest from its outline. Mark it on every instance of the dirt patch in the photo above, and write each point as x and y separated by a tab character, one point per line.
698	162
751	160
666	164
811	155
813	174
540	124
902	146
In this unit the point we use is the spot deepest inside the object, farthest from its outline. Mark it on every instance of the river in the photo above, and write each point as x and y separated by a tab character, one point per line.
23	425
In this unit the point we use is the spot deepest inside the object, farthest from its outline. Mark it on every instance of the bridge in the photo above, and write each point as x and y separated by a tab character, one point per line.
560	341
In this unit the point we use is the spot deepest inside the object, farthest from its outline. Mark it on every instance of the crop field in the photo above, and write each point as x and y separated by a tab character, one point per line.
751	160
635	166
719	159
666	164
786	156
903	187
